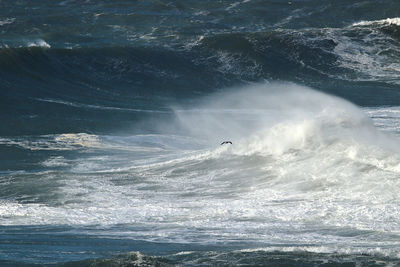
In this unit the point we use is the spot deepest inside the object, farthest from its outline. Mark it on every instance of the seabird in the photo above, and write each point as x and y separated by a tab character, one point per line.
226	142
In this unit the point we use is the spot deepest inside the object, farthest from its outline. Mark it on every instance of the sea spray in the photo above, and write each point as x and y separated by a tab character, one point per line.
243	112
302	164
112	115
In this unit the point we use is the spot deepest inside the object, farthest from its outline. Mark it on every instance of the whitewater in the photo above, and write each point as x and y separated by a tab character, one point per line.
112	116
306	172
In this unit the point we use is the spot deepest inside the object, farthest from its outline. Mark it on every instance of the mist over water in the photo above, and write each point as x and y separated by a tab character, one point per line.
113	114
306	172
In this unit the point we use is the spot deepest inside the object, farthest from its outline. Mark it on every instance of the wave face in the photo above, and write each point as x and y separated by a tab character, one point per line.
113	61
112	115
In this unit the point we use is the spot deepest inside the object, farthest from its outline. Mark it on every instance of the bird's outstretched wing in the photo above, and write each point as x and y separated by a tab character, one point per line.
226	142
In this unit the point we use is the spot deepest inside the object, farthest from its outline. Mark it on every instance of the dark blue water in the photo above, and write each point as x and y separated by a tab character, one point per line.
112	113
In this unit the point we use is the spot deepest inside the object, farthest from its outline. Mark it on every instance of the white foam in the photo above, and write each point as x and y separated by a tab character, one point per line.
80	140
371	54
233	63
362	53
236	4
7	21
388	21
305	170
68	141
55	162
38	43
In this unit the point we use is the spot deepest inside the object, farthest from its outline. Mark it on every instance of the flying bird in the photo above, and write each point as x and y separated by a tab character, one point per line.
226	142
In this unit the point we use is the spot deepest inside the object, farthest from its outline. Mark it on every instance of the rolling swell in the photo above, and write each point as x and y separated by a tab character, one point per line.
74	24
88	83
112	115
81	86
343	61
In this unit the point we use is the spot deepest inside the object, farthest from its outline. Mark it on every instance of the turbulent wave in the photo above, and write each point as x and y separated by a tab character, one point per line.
73	24
304	168
382	22
112	115
353	62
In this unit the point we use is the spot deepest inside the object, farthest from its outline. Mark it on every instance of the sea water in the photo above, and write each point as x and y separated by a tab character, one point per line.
112	116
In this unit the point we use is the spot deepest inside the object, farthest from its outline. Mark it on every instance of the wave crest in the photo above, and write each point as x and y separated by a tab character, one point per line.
388	21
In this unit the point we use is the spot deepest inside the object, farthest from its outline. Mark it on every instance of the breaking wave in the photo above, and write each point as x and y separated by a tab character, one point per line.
304	168
113	114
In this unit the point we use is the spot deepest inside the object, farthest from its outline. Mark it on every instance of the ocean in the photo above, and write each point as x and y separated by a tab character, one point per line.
113	113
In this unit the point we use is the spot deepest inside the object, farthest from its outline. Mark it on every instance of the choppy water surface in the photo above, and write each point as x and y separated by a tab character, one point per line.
113	113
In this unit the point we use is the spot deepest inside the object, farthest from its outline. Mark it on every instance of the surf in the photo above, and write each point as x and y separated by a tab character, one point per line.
300	162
